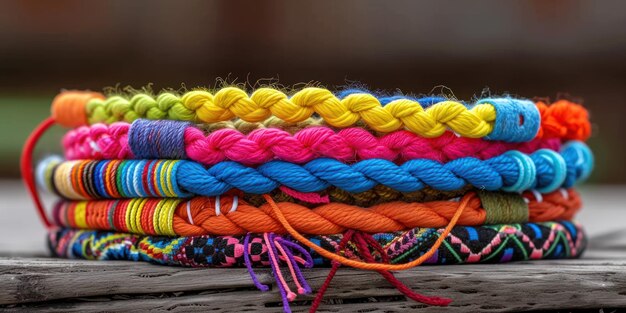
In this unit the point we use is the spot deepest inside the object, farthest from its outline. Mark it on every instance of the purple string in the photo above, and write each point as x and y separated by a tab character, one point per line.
307	256
288	247
283	293
159	139
246	259
294	264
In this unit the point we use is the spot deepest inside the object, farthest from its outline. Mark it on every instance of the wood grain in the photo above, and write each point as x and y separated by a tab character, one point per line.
57	285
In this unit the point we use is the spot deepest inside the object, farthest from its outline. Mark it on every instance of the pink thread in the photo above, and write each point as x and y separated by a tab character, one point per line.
281	280
290	266
98	141
309	197
262	145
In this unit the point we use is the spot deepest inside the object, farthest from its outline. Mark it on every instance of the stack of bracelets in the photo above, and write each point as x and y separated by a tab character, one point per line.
312	179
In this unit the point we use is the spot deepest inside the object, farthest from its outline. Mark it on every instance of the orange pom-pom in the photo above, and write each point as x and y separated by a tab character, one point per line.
68	108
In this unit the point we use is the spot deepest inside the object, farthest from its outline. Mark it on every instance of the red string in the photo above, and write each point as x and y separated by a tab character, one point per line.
26	167
363	241
362	244
347	236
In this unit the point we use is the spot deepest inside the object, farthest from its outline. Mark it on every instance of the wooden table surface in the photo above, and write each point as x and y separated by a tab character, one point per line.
29	281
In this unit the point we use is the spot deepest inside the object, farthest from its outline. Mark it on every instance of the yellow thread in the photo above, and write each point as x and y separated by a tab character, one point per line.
166	250
80	212
170	185
231	102
173	204
137	218
101	245
162	221
129	213
155	219
166	171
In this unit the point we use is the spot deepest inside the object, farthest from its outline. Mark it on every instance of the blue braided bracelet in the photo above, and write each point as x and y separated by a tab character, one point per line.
544	170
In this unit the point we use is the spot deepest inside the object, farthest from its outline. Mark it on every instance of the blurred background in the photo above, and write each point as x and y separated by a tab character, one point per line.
537	48
526	48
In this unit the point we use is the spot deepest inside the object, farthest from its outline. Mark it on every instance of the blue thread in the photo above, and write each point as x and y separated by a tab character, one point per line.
507	255
556	164
137	178
512	171
526	169
346	92
99	183
579	160
536	229
508	125
386	100
571	228
472	234
429	101
319	174
151	139
149	179
129	175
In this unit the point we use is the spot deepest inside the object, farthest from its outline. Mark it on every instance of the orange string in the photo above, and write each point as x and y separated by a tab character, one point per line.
326	219
334	218
363	265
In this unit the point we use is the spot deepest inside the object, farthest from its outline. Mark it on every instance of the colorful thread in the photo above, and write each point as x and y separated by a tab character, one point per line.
227	216
518	120
162	139
464	244
397	165
512	172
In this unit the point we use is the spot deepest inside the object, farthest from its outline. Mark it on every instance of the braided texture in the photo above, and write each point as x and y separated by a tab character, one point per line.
226	216
544	170
464	244
144	139
503	119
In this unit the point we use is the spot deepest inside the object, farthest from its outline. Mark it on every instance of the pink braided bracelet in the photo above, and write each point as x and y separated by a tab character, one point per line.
101	141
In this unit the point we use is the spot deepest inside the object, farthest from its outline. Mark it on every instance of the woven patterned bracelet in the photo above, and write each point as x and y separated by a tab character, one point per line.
231	216
464	244
505	119
160	139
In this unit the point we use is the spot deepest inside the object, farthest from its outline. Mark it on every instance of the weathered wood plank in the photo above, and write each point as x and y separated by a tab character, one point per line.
94	286
55	285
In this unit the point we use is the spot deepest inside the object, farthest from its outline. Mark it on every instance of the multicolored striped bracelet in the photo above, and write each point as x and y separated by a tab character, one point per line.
544	170
230	215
